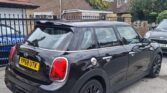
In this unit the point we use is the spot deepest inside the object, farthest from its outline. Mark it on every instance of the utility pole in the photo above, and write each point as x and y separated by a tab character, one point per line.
60	1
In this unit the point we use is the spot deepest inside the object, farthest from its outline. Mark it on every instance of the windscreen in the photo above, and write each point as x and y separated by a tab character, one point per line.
163	25
56	38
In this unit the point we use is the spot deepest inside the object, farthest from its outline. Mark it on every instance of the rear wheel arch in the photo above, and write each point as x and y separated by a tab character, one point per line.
93	86
101	80
98	75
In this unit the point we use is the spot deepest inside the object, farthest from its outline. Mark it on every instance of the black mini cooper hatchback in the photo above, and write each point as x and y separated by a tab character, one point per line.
81	57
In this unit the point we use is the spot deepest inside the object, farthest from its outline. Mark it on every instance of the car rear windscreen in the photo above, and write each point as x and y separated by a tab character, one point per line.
56	38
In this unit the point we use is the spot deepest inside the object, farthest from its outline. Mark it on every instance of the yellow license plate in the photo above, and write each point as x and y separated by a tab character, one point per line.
29	64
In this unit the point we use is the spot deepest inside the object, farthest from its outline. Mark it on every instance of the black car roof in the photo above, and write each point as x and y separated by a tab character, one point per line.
86	23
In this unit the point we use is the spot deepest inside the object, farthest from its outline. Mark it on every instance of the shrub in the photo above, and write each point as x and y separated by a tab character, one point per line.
162	15
99	4
152	17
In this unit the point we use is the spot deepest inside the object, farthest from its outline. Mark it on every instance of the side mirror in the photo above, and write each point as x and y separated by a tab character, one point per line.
153	27
145	42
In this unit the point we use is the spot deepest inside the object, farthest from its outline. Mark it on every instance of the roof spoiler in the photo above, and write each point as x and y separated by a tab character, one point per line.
43	22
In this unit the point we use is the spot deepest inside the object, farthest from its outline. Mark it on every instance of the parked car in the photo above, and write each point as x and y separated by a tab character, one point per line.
8	38
81	57
159	34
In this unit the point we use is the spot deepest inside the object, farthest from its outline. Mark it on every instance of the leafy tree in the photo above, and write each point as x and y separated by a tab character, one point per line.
152	17
160	5
162	15
99	4
143	9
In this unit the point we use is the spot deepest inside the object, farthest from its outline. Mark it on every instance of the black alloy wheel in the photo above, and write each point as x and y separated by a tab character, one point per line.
156	67
92	86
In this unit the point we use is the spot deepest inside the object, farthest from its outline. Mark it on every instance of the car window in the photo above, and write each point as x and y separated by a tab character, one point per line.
87	39
162	25
4	30
129	34
56	38
106	37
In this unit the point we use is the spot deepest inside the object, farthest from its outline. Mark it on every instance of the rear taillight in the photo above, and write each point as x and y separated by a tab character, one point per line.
12	50
59	69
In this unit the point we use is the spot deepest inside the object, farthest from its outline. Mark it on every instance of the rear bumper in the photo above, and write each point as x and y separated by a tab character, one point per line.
18	85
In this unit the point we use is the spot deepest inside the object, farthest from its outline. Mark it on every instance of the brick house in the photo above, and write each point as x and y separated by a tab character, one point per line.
120	6
53	6
18	7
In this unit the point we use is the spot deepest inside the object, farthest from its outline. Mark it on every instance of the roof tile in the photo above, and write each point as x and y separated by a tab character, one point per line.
23	3
54	5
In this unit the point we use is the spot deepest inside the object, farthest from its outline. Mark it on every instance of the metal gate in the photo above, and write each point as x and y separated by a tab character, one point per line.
14	29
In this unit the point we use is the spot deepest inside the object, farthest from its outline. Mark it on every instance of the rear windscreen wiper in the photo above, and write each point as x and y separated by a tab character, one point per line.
30	43
35	42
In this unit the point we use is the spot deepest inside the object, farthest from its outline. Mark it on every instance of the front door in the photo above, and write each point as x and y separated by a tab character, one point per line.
139	56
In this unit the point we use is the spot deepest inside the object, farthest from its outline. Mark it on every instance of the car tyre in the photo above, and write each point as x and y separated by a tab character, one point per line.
92	86
156	67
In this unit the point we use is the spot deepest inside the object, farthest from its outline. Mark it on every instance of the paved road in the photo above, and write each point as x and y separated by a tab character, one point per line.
157	85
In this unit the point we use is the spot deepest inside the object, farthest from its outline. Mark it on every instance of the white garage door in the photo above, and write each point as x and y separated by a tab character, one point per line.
18	25
8	11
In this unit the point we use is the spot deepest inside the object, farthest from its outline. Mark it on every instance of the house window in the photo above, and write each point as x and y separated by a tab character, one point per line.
44	15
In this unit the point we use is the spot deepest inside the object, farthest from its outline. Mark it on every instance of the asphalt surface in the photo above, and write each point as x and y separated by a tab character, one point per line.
146	85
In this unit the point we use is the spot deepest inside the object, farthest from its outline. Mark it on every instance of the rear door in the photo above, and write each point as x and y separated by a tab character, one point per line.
113	56
139	57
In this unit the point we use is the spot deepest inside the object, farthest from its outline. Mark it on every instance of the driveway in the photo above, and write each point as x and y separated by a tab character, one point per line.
146	85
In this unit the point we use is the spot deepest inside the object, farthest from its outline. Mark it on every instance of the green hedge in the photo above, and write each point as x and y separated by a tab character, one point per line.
162	15
99	4
152	17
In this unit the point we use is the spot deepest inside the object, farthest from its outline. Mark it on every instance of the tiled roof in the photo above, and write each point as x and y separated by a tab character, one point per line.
123	9
17	3
54	5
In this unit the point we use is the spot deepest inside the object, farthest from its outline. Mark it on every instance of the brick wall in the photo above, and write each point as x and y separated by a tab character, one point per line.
141	26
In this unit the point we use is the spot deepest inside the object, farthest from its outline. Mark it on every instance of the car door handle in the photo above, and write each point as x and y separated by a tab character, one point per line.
108	57
132	53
